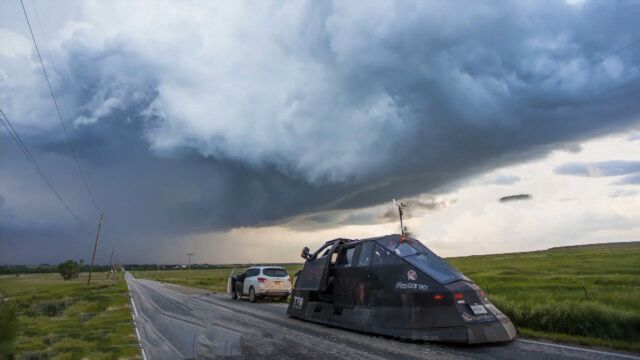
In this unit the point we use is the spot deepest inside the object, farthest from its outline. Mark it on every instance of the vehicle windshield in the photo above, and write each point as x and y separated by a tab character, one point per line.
421	257
275	272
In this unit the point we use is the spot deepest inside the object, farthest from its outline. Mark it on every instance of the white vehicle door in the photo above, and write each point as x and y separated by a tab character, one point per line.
252	275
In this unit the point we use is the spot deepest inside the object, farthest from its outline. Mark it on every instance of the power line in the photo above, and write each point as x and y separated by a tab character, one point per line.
27	153
597	61
64	103
64	128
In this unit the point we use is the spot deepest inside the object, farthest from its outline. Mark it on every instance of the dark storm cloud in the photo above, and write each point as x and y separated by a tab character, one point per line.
376	215
416	206
147	198
340	106
328	219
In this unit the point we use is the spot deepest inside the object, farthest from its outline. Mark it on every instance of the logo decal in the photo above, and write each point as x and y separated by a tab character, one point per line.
298	301
411	275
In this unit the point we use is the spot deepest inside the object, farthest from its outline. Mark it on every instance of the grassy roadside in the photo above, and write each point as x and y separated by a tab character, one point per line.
588	295
59	319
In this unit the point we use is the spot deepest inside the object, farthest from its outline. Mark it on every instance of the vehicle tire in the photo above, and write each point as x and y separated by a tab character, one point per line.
234	295
238	295
252	295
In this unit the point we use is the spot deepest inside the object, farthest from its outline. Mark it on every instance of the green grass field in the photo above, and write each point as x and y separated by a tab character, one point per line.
587	295
60	319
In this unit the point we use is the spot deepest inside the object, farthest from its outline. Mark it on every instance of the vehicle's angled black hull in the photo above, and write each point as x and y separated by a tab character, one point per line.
360	319
373	286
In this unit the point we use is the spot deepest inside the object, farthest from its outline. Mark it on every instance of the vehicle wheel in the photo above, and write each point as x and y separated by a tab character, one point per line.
252	295
234	295
238	295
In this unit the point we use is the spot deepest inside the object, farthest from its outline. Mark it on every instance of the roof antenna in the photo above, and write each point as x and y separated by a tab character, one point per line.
400	205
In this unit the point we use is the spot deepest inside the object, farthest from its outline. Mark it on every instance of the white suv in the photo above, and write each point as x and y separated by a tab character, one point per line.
260	281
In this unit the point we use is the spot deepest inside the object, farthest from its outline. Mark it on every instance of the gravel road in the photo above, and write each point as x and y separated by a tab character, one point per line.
177	322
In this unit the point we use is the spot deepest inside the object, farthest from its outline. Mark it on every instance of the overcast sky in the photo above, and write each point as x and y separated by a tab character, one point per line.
243	131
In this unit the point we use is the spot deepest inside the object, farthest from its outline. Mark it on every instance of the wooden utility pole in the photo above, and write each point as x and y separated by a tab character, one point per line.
95	246
110	268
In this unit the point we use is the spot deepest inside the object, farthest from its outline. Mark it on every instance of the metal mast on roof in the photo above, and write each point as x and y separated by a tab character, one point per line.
401	206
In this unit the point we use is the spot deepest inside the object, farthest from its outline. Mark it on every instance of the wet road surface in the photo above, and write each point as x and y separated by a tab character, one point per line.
176	322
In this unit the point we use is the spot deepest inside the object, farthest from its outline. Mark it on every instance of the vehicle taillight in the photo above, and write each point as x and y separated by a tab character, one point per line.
261	279
458	296
438	297
482	294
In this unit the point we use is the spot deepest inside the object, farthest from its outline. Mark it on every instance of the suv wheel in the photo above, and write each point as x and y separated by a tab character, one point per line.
252	295
234	295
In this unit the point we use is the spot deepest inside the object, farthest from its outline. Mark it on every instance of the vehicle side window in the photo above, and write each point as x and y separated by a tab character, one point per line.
253	272
334	257
356	255
404	249
437	268
346	257
382	256
366	250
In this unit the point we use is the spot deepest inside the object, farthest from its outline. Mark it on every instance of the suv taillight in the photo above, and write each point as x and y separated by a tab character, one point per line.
261	279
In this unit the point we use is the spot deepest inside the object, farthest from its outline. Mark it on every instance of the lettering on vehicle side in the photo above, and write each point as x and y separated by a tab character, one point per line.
401	286
298	301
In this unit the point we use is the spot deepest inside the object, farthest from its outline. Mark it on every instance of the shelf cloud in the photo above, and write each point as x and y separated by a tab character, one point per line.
211	116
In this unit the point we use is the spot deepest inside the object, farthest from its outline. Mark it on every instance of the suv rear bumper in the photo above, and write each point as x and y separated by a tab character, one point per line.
273	292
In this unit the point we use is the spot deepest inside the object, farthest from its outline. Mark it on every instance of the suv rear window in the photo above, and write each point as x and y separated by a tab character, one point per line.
275	272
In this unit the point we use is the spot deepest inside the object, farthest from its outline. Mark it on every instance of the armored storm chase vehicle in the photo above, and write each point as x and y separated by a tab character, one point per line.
394	285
